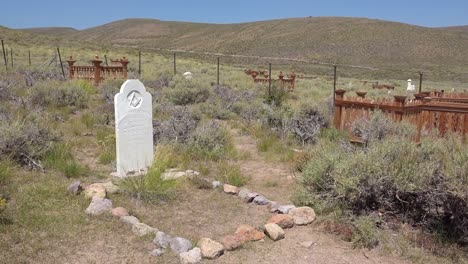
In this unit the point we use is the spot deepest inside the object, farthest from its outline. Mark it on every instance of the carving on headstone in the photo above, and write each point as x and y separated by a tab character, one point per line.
133	128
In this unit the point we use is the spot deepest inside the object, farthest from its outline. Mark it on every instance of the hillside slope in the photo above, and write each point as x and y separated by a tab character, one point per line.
331	39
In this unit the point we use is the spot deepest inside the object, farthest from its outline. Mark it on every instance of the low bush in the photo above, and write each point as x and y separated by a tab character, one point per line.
424	183
25	139
179	127
306	124
59	95
209	141
185	92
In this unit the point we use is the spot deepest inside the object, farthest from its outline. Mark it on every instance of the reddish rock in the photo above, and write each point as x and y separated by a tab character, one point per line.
232	242
283	220
249	233
119	212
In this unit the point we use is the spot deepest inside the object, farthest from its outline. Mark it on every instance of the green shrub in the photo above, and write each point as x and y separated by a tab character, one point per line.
413	180
59	95
60	157
25	140
365	232
185	92
210	141
275	95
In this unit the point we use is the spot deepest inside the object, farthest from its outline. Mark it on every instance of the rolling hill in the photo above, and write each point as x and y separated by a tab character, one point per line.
332	39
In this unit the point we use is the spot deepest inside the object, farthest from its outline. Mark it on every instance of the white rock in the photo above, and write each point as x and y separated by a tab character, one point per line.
157	252
302	215
180	245
133	128
141	229
216	184
210	249
191	256
130	220
162	240
274	231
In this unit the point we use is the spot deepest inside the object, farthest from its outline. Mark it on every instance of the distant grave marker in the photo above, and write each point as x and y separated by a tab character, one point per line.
133	128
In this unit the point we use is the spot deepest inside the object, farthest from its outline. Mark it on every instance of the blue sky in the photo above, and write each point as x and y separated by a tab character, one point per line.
82	14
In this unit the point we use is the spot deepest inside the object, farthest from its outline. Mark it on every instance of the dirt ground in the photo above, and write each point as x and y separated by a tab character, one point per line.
194	214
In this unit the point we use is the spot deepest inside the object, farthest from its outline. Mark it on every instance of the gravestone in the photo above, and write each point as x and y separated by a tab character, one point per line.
133	128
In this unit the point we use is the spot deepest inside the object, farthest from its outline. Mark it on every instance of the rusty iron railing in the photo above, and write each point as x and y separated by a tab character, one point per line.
98	73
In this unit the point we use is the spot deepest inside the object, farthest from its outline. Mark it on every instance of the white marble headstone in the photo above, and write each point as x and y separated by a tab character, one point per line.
133	128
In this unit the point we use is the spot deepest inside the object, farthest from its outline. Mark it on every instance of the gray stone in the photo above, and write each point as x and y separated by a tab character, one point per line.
273	206
250	197
173	175
191	256
162	240
274	231
243	193
75	188
210	249
260	200
216	184
180	245
307	244
302	215
141	229
130	220
157	252
284	209
99	206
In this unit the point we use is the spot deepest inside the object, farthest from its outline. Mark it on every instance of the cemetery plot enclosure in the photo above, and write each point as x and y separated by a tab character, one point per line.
98	73
445	113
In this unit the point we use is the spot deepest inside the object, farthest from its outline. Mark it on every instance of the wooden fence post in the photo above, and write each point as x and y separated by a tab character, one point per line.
400	101
217	73
71	71
97	69
338	108
124	63
4	56
175	69
61	64
139	64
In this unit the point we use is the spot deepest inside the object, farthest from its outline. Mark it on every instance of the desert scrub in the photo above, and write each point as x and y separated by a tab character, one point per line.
178	128
59	94
25	140
306	124
151	187
184	92
210	141
424	183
